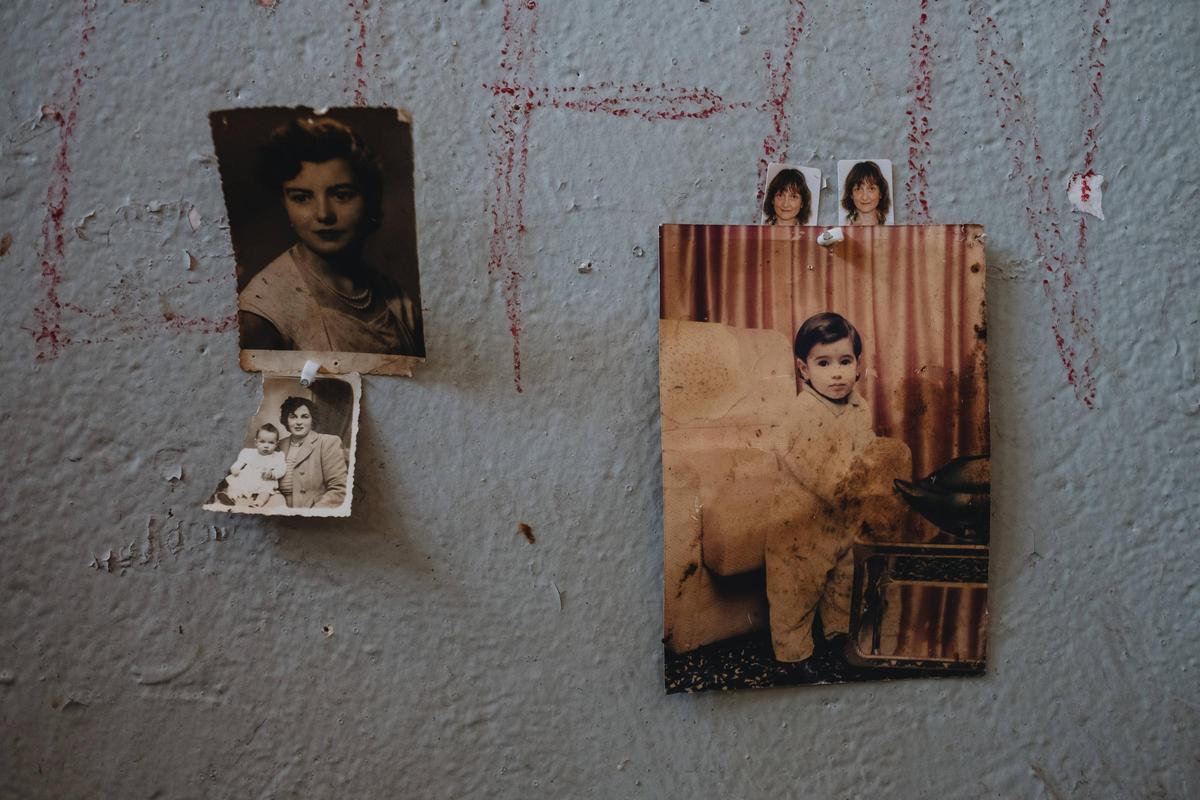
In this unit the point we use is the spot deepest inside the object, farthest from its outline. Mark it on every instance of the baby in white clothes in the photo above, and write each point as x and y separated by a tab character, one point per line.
254	477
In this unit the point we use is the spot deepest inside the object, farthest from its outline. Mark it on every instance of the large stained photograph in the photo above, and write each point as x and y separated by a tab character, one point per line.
826	473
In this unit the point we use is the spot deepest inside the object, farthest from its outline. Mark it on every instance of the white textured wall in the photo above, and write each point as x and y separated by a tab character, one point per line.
144	653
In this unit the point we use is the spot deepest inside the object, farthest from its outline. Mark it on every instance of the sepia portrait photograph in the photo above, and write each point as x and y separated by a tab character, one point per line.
865	194
322	220
825	449
296	456
792	195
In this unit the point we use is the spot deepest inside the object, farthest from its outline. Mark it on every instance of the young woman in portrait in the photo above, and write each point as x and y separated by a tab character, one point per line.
865	195
788	200
320	294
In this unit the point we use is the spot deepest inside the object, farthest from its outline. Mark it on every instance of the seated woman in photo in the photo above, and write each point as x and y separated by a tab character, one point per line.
865	195
788	200
319	294
315	463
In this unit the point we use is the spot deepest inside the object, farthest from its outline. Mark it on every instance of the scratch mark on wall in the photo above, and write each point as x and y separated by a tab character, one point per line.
1048	782
1066	281
920	95
165	673
48	335
779	87
161	536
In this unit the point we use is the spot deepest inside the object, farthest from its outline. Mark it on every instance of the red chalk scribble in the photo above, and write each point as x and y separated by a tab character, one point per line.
510	161
779	87
49	336
920	94
359	33
1092	71
639	100
516	95
1066	281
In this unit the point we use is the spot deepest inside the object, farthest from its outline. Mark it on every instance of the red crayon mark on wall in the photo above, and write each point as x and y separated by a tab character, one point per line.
49	335
1066	281
359	34
510	161
920	94
517	95
779	87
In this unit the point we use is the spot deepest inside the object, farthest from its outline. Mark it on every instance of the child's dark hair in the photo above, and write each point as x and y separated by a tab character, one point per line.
825	328
269	428
293	404
317	140
788	179
860	173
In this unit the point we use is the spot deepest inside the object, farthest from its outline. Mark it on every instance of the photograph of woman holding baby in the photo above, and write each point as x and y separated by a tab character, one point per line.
323	228
299	453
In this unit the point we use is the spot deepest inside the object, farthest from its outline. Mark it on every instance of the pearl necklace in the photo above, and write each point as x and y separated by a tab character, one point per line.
360	301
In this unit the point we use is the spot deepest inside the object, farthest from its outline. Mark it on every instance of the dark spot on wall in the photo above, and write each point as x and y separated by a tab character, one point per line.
5	244
526	530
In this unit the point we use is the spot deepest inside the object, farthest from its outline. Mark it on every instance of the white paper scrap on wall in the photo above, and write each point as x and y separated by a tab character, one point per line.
1084	192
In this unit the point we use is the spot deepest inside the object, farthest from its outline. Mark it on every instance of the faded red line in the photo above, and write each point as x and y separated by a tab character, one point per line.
920	94
779	87
517	95
1066	282
651	103
1093	71
359	29
510	161
49	336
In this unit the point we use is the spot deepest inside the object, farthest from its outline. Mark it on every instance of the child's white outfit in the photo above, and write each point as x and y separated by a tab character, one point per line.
249	480
845	471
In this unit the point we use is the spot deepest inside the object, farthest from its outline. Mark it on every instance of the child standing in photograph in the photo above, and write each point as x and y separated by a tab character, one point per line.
810	562
254	477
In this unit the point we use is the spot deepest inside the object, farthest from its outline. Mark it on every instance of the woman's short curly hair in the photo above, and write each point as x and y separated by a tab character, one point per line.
292	404
317	140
